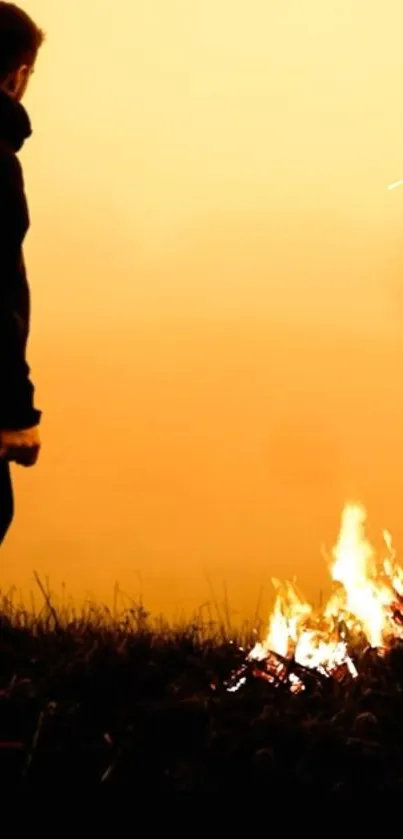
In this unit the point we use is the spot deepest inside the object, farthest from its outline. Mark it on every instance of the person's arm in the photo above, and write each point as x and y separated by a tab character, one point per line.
17	411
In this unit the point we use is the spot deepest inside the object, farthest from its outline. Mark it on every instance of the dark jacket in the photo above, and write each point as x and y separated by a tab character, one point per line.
16	390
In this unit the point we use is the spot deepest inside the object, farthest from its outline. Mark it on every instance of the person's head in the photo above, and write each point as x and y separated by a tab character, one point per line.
20	39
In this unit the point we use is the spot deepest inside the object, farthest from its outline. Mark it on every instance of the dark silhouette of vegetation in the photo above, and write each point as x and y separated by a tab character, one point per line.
111	724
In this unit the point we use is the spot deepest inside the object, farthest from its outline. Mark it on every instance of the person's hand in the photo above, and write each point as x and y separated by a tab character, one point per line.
21	447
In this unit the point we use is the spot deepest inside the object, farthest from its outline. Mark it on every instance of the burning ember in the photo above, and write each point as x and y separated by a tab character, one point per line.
364	610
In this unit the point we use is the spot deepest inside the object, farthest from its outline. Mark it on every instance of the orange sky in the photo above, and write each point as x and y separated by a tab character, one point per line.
217	277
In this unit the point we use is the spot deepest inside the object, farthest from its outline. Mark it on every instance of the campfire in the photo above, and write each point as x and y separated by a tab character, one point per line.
364	612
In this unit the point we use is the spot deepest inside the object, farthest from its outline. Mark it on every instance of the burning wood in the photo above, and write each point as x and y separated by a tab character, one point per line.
364	610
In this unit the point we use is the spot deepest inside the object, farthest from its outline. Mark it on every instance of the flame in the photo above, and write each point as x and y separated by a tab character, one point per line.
367	603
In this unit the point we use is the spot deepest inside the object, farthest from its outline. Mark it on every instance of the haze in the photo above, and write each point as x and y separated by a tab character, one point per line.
217	277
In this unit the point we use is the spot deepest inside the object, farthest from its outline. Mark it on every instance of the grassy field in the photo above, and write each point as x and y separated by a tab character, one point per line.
113	723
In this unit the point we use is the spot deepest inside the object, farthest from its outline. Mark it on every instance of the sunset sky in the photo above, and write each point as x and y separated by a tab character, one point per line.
217	276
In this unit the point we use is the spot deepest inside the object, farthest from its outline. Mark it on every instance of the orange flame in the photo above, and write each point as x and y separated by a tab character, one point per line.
365	603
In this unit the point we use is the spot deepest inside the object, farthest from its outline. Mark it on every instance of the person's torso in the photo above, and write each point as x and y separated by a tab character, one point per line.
13	263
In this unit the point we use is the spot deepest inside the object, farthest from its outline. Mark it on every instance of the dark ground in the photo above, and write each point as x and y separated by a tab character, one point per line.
121	730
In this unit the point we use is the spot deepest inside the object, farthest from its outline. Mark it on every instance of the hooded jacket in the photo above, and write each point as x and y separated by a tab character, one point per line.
17	409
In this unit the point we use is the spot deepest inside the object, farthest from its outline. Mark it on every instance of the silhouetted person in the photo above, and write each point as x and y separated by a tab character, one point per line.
20	40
